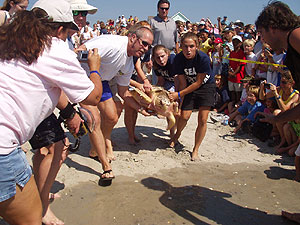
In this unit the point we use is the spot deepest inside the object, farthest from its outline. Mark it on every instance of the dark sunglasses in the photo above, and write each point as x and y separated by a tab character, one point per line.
145	43
164	8
83	13
283	82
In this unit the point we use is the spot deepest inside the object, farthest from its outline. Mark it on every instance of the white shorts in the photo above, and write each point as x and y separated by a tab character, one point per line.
297	153
237	87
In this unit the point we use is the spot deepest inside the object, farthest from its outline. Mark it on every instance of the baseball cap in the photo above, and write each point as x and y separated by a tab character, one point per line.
237	37
218	40
202	23
58	11
228	29
82	5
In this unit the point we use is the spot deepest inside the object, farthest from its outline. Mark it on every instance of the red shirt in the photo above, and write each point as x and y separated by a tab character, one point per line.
233	64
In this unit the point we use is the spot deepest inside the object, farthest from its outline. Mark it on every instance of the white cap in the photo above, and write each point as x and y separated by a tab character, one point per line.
57	10
237	37
82	5
202	22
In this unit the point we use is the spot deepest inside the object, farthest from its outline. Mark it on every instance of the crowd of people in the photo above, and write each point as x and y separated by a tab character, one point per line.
247	74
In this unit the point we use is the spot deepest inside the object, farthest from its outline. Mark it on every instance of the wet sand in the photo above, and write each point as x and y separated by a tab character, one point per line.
207	193
238	180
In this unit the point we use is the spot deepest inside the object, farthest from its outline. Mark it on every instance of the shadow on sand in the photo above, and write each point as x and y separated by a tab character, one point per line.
192	202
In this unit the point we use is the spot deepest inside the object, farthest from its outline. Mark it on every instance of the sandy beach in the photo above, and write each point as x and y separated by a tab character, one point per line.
238	180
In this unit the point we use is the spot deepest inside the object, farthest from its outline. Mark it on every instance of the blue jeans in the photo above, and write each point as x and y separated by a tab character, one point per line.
14	169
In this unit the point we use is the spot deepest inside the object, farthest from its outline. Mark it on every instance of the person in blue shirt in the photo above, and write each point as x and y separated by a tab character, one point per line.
196	88
248	109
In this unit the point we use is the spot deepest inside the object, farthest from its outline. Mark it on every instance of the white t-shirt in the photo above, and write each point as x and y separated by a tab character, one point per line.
29	93
250	66
114	59
272	76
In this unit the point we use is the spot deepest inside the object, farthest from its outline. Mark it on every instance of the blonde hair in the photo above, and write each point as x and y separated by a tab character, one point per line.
249	42
190	35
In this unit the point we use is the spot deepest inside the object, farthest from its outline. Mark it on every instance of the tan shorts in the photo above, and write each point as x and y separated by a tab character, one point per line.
237	87
114	89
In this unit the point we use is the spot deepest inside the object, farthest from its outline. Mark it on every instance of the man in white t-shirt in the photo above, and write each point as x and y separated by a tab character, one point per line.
116	54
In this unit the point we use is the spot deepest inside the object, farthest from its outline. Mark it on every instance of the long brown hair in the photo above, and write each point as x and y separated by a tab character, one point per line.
27	35
6	6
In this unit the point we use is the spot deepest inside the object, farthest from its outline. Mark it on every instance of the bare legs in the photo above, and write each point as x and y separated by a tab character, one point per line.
46	164
25	207
200	131
130	117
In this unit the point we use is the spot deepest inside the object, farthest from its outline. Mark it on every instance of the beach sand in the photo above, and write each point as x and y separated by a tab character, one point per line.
238	180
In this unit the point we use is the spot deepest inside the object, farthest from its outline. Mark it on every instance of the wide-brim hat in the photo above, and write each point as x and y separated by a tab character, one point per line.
58	11
82	5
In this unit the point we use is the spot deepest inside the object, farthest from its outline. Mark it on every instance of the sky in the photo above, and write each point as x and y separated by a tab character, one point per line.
244	10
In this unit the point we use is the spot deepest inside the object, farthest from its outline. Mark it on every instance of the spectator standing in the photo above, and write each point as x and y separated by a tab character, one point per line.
164	28
10	7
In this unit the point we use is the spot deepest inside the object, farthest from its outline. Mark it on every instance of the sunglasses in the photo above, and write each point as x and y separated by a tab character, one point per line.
283	82
164	8
83	13
144	43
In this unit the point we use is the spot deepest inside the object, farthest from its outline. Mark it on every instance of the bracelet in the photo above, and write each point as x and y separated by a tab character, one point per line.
68	112
279	97
179	96
95	71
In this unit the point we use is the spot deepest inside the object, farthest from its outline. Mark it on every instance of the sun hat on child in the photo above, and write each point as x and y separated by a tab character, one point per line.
58	11
82	5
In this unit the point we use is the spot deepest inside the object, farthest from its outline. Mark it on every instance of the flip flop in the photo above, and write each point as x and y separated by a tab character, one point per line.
107	178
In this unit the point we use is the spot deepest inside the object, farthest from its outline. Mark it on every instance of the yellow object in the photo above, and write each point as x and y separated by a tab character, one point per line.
254	62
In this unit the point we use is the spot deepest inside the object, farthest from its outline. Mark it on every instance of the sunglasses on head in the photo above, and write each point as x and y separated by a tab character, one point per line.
164	8
83	13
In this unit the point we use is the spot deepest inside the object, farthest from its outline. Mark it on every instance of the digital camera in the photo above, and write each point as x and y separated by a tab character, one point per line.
82	55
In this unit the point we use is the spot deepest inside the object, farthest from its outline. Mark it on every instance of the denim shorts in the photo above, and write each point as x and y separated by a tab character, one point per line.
14	169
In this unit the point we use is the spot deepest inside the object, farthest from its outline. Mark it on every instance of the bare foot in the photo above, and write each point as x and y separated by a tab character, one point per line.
136	139
297	178
291	216
53	196
280	151
50	219
195	156
173	142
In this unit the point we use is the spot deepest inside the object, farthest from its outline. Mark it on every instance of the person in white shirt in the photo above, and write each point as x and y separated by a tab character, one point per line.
45	68
116	61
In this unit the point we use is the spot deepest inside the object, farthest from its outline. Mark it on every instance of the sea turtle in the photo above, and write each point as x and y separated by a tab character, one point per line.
157	100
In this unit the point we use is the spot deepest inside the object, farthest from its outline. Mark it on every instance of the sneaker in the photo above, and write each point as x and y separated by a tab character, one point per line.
217	117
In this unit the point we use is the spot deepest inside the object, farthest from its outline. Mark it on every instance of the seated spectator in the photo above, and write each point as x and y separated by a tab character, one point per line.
221	97
205	43
247	111
291	132
285	96
95	32
86	35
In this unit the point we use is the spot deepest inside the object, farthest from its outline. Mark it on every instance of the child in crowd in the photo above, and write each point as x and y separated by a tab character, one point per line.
236	70
273	73
215	57
247	111
221	97
248	45
260	70
204	41
291	131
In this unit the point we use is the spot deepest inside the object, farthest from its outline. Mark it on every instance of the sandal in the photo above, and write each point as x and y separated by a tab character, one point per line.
107	178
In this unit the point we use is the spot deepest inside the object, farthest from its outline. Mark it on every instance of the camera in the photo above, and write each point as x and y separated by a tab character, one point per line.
267	85
82	55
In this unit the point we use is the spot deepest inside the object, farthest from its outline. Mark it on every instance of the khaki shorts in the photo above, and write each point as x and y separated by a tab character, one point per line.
237	87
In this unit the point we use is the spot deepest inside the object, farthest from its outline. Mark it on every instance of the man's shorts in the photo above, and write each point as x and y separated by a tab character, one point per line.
48	132
237	87
106	93
14	170
297	153
204	96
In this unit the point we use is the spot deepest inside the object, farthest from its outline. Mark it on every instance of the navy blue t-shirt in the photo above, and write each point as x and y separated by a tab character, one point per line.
191	67
167	71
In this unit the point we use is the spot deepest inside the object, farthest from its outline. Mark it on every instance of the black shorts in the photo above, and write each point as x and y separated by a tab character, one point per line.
204	96
48	132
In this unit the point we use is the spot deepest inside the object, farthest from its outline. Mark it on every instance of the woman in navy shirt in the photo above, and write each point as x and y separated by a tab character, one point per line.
197	88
